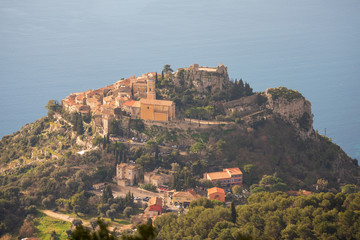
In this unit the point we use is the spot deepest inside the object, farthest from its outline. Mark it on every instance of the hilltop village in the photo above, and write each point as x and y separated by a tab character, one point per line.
135	96
171	149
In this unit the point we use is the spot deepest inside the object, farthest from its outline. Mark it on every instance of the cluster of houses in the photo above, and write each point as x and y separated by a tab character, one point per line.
135	96
127	174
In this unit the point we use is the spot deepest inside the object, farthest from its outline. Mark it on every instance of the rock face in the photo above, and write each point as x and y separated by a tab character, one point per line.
293	108
203	79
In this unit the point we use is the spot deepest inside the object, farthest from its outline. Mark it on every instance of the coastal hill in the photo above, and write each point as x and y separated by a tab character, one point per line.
188	122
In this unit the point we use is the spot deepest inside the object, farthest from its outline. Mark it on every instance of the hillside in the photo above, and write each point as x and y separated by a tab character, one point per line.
218	123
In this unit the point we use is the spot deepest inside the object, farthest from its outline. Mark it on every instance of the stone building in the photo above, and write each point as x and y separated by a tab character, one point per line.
203	79
127	174
158	179
184	198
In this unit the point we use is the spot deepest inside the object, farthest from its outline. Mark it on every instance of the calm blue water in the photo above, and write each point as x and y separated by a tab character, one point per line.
51	48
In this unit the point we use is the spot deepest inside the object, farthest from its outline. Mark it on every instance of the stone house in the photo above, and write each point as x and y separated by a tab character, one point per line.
158	179
184	198
127	174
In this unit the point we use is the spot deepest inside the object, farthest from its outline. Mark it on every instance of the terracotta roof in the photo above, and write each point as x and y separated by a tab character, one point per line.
156	201
156	102
129	103
233	171
304	192
215	190
218	175
184	194
80	97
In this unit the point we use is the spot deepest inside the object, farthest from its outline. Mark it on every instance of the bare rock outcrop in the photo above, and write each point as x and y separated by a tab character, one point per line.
291	106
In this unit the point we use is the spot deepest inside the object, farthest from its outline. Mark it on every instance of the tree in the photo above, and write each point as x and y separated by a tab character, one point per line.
321	184
349	188
79	202
167	68
111	214
93	223
76	222
107	194
128	211
197	147
237	190
28	229
115	128
52	107
233	212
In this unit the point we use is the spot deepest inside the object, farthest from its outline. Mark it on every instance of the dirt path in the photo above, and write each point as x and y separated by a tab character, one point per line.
60	216
86	223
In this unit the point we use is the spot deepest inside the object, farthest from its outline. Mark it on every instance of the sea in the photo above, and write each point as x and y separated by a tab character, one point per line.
49	49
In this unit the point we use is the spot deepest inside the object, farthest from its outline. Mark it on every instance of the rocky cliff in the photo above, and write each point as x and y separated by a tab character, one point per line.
292	107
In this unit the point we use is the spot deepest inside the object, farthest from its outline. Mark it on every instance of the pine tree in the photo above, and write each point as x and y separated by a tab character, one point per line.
80	126
233	212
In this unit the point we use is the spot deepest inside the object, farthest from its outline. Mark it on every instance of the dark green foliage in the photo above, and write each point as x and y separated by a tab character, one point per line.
148	187
52	107
233	212
269	216
115	128
107	194
184	179
239	90
82	233
77	122
143	232
270	183
283	92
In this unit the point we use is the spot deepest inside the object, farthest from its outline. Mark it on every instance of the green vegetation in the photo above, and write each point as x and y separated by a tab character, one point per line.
148	187
283	92
268	216
45	225
42	169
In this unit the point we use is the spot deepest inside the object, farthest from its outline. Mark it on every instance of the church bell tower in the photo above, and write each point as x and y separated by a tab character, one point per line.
151	94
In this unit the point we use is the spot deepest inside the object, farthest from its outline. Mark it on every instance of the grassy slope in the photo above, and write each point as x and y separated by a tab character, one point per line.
45	225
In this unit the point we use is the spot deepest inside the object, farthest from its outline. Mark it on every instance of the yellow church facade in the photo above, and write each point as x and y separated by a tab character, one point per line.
156	110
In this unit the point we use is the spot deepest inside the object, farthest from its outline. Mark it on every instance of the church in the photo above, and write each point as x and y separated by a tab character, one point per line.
156	110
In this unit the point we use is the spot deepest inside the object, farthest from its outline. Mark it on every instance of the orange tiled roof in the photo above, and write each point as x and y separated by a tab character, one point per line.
129	103
157	102
233	171
155	201
218	175
215	190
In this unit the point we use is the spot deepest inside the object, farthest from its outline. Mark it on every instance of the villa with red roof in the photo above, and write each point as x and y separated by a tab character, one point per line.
216	193
228	178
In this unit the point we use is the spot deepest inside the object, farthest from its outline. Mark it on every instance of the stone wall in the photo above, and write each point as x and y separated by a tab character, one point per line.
203	79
